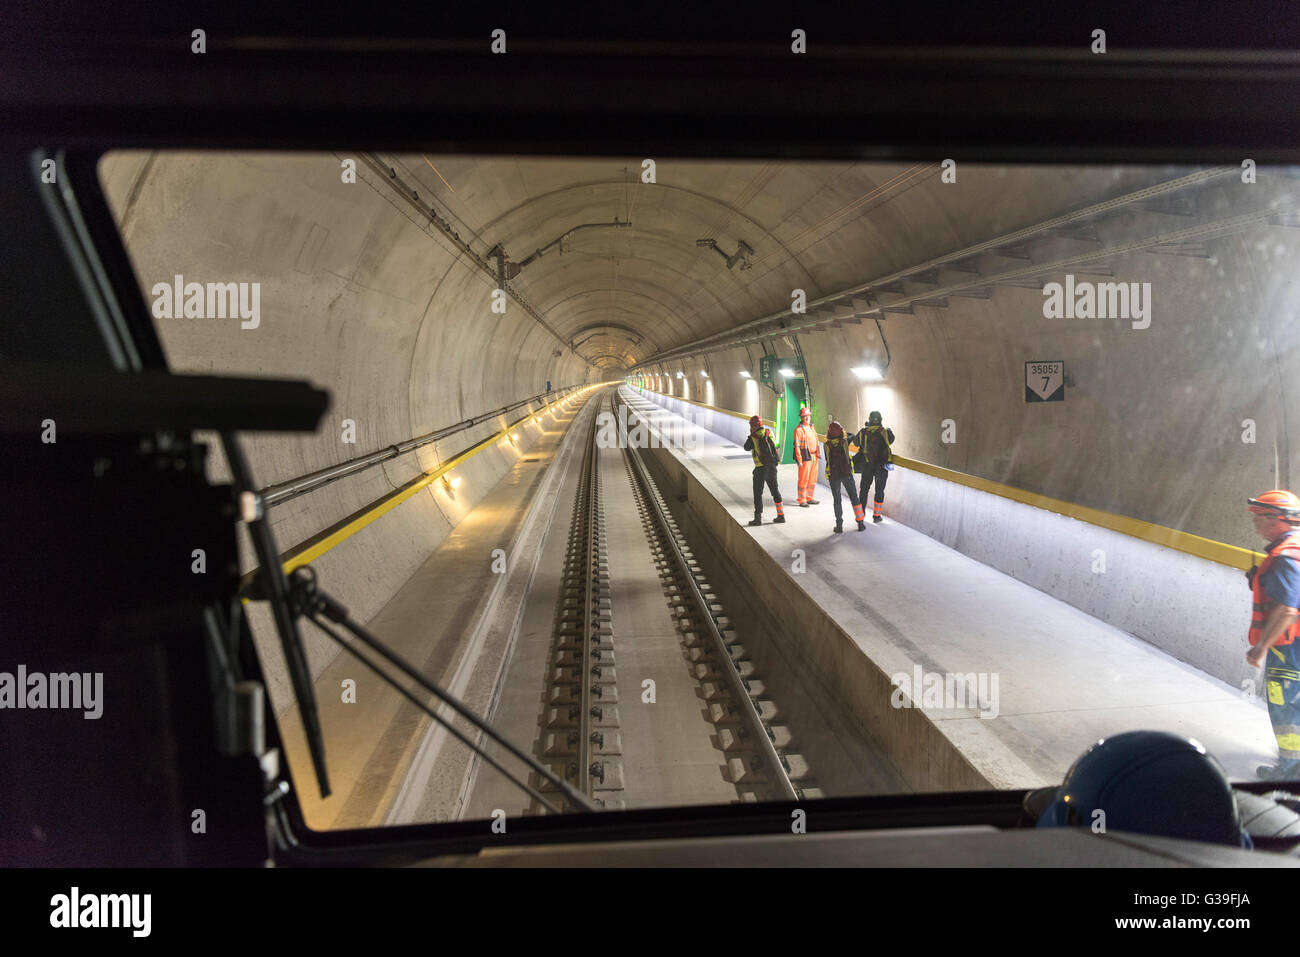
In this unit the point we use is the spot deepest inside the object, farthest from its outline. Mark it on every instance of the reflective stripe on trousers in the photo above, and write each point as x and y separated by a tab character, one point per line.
807	480
847	482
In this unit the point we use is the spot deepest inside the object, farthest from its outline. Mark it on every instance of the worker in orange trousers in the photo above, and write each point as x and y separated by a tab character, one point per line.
807	456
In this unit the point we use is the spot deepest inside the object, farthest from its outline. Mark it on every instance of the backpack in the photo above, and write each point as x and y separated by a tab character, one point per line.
875	448
837	456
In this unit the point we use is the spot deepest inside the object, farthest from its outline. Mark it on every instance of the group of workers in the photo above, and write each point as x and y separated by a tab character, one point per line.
868	453
1275	582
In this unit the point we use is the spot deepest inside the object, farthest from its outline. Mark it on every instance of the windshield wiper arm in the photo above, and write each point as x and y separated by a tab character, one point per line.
307	599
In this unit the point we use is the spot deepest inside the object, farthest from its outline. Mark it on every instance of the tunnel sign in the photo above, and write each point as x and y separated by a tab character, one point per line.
766	366
1045	381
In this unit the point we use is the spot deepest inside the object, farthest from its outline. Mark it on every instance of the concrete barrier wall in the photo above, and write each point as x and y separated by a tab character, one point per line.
1196	610
726	424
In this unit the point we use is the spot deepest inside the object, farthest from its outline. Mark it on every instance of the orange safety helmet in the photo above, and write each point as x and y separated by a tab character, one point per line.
1278	502
804	413
755	422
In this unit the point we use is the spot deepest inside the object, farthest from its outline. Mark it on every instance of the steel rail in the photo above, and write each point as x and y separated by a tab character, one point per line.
589	559
763	742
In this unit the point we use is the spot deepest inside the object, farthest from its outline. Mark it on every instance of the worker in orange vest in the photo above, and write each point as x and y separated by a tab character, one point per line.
1275	623
807	455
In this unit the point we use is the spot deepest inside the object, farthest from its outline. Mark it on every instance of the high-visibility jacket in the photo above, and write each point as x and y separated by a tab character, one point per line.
769	445
866	438
838	460
805	444
1289	546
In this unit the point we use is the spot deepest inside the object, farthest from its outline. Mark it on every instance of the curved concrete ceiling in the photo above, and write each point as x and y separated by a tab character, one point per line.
812	226
366	294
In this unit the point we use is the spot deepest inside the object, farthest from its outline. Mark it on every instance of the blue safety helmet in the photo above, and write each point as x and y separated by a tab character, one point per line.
1150	782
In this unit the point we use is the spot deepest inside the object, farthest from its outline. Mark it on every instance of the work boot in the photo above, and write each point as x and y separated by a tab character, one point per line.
862	526
839	527
877	519
779	520
803	504
813	501
758	520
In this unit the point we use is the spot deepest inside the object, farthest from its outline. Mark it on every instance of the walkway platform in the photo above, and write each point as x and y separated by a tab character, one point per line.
890	601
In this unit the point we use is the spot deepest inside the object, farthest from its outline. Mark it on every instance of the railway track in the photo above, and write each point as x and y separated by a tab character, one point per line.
758	747
580	736
582	739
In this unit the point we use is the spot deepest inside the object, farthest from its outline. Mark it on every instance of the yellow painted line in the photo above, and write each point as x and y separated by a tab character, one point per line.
313	548
1207	548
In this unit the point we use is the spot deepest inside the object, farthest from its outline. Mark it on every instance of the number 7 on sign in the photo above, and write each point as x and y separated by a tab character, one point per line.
1045	381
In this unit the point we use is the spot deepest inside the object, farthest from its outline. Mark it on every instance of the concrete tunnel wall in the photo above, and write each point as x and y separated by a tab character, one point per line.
362	297
359	300
1153	420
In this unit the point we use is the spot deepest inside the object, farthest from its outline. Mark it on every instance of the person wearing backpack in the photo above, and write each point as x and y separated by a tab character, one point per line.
761	445
873	460
839	471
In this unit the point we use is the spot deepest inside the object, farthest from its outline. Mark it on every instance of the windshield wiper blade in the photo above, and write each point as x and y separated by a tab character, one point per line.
307	599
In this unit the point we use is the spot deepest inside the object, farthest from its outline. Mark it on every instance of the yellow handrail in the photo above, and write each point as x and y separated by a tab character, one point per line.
313	548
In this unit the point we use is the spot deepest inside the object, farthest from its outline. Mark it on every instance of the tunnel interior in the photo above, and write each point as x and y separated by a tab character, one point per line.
1157	304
